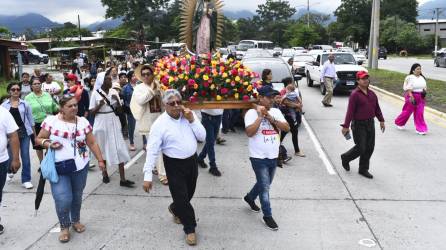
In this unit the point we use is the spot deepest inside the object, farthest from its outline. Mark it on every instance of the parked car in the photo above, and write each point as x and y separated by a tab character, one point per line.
382	53
346	69
440	60
287	54
157	54
278	67
442	50
30	56
299	62
256	53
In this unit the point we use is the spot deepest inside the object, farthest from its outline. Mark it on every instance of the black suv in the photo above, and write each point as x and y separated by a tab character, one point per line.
382	53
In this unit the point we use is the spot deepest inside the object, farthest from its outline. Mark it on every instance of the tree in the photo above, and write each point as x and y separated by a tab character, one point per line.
230	31
354	17
4	31
335	32
410	39
404	9
29	34
389	29
299	34
248	28
138	14
67	30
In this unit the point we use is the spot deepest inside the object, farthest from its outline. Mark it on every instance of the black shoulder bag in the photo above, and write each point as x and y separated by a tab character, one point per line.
117	111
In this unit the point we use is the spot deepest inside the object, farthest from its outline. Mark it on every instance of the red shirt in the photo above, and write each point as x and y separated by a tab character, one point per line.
362	107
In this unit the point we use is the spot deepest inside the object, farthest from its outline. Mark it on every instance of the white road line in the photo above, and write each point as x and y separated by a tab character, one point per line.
318	147
134	159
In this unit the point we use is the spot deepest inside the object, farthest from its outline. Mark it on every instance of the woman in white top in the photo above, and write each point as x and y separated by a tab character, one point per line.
104	104
415	92
69	135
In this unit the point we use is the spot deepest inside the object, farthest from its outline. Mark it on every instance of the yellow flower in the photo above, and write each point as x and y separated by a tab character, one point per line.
192	66
188	56
218	98
237	78
181	76
236	96
231	60
171	79
225	75
163	87
228	80
197	76
205	77
249	88
213	86
186	77
246	83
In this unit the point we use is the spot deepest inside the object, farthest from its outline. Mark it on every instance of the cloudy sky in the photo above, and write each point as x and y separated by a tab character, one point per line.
91	11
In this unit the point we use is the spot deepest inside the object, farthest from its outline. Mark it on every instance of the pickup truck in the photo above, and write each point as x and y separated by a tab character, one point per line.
346	68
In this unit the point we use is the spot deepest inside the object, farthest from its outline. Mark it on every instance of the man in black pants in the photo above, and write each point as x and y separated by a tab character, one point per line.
363	106
175	134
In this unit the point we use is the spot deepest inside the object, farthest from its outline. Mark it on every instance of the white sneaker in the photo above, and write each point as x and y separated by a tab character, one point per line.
27	185
400	127
9	177
421	133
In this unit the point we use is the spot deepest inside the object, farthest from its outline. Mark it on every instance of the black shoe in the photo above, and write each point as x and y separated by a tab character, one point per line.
366	174
214	171
279	163
251	204
220	141
2	229
105	179
270	223
327	104
345	163
287	159
202	164
126	183
232	129
224	131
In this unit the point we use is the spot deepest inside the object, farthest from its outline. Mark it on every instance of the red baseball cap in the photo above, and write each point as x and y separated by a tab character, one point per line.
72	77
362	74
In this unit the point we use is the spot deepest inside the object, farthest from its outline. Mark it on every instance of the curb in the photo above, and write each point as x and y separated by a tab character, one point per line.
429	110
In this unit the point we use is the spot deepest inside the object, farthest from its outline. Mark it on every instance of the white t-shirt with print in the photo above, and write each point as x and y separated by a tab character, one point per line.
265	143
7	126
74	146
51	88
414	83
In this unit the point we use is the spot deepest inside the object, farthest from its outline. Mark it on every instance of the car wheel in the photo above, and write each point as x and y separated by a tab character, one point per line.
436	63
322	88
309	81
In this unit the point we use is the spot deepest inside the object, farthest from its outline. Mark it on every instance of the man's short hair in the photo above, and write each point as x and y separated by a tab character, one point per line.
169	94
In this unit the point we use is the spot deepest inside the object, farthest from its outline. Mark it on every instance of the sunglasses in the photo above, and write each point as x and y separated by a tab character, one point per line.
146	74
15	89
174	103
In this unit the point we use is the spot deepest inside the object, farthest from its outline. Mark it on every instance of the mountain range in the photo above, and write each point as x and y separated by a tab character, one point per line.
39	23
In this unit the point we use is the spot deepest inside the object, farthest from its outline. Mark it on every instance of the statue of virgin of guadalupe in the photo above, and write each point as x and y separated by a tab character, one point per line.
202	25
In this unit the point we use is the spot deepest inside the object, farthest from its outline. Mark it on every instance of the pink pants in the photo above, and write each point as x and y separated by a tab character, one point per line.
417	110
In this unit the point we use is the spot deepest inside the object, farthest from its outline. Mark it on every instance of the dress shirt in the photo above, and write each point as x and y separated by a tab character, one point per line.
25	113
362	107
174	138
328	70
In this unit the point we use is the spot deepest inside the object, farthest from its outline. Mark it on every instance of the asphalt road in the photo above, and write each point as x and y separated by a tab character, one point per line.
316	203
403	65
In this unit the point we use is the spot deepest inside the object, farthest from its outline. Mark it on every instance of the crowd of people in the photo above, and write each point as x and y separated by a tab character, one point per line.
92	114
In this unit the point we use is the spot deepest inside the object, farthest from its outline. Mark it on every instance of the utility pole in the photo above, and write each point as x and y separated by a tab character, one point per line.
376	19
437	10
308	13
79	27
370	48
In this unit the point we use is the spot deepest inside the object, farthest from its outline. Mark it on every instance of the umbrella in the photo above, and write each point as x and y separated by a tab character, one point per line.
39	193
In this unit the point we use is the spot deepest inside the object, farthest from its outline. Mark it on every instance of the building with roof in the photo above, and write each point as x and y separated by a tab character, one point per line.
427	27
5	58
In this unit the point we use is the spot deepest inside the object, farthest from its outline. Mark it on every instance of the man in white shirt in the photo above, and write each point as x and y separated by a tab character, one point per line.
53	88
263	126
328	75
8	130
211	120
175	134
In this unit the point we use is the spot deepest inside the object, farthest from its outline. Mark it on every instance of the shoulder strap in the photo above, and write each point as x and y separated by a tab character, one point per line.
106	100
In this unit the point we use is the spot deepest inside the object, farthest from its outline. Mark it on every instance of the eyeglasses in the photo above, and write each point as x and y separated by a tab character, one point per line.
36	83
15	89
174	103
146	74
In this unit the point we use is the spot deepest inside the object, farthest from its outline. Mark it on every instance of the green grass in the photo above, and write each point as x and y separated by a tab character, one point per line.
3	85
393	82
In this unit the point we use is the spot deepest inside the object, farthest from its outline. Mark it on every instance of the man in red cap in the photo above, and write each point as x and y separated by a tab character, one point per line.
363	106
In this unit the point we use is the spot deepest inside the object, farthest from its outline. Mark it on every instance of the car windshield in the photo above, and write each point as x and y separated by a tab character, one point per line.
244	46
288	52
340	59
303	58
279	69
224	51
34	51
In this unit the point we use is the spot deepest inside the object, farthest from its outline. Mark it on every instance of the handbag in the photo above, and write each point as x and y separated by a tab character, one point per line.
117	111
48	168
22	132
424	93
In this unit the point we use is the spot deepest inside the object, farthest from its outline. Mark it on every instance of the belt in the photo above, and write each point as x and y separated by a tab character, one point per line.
329	77
104	112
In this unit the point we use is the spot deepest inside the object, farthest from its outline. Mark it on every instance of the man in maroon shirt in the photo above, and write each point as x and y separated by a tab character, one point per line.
363	106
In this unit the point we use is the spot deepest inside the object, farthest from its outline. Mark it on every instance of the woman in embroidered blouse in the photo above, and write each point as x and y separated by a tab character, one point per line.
69	135
42	105
107	128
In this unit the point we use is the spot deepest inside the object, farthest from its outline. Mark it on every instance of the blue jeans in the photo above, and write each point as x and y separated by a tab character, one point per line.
67	195
3	172
26	161
131	122
264	170
212	125
230	117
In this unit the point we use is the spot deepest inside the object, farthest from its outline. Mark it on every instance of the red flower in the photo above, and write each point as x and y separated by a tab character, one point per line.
245	98
191	82
254	95
198	71
165	80
224	91
234	72
205	84
241	89
203	93
193	99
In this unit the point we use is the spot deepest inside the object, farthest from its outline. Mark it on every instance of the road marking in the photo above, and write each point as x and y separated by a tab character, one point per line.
134	159
318	147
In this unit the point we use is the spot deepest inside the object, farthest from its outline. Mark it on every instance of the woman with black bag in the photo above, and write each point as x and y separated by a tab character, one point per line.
23	117
106	106
69	135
